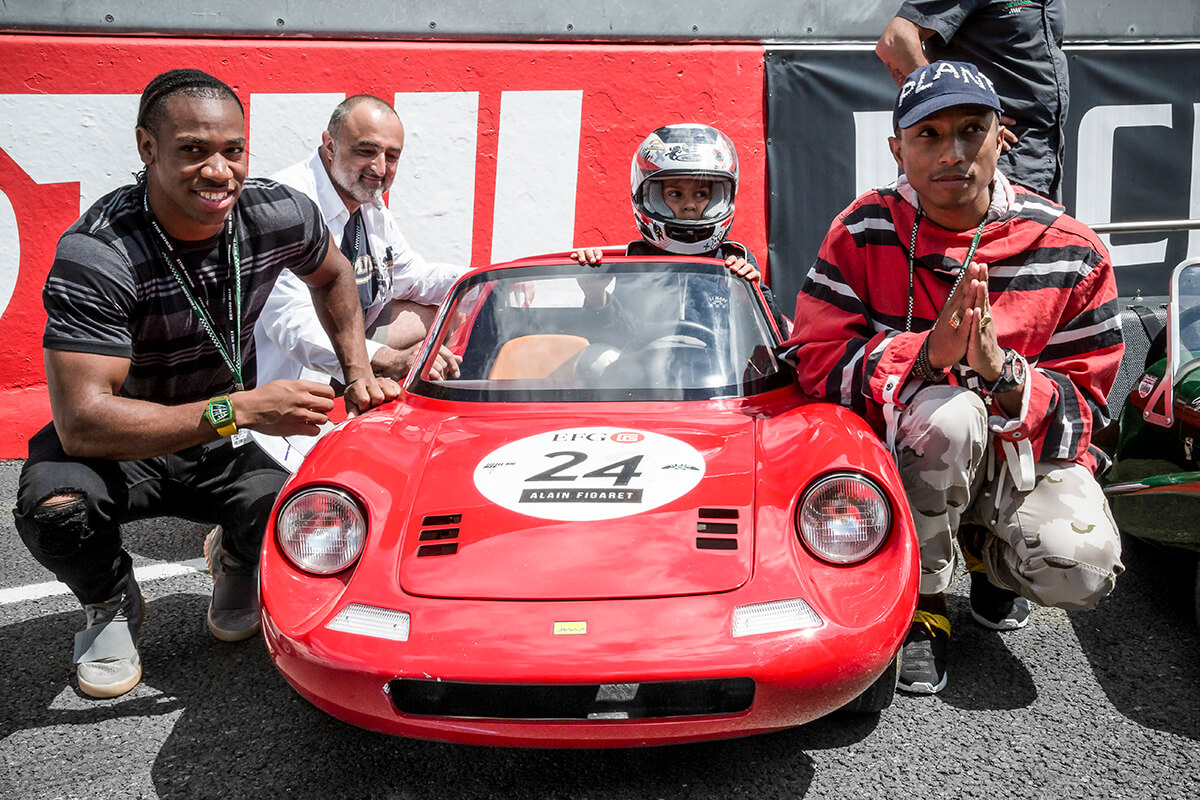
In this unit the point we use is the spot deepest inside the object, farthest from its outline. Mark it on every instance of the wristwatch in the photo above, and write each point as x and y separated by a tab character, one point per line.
1012	374
219	413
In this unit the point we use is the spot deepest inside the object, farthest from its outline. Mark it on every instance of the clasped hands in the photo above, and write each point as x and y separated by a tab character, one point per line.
964	331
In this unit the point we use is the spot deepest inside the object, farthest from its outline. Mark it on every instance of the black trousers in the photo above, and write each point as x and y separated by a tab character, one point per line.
80	542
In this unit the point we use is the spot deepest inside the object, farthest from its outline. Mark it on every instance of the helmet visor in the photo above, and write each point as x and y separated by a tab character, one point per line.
687	200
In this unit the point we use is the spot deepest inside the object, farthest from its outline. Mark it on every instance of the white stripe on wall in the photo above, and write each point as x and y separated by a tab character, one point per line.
536	173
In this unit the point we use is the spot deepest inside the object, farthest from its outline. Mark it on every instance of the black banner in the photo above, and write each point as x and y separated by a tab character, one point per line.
1132	151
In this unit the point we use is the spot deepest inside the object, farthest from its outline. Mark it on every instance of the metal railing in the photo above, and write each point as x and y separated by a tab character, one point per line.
1149	226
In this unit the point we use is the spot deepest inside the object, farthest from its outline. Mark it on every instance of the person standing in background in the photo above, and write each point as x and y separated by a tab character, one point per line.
1018	43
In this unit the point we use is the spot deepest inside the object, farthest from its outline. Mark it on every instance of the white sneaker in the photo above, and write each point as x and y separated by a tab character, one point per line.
106	656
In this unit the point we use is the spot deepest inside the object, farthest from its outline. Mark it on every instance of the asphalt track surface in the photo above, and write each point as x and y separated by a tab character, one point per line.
1095	704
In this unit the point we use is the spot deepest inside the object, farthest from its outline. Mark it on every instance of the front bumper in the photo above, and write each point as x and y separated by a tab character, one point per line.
652	671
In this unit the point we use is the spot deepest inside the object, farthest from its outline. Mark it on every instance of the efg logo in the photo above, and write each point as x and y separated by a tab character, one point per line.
568	436
620	437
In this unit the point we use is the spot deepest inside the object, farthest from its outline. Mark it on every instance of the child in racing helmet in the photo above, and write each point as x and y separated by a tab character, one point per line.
682	184
683	181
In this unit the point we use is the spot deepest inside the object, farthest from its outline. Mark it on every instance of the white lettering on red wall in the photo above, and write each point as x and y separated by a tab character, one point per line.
509	150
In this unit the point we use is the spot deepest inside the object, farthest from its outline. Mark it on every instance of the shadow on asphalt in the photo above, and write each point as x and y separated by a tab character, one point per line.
35	660
984	675
242	732
165	538
1142	640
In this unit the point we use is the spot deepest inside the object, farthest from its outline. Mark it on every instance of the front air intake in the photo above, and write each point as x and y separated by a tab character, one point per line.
595	701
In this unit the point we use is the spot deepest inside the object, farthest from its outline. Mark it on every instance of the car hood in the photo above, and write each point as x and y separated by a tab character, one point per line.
575	508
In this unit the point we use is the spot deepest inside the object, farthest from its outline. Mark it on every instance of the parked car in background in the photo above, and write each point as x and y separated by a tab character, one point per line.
1153	486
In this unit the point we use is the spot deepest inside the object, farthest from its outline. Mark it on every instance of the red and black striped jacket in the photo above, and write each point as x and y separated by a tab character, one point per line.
1053	299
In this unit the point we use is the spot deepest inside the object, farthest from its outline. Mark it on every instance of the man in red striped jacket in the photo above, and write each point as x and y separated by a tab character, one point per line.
976	326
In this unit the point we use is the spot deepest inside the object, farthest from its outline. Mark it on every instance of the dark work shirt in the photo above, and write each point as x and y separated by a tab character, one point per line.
110	291
1018	44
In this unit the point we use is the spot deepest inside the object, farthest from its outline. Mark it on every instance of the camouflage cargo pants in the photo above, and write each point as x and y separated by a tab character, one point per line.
1056	544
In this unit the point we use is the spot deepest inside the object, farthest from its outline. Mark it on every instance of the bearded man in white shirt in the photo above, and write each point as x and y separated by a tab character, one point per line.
347	177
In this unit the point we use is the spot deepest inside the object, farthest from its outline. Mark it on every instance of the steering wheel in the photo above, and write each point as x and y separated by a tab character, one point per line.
664	330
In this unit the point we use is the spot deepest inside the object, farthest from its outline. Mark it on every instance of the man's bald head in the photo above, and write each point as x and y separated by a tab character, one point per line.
337	119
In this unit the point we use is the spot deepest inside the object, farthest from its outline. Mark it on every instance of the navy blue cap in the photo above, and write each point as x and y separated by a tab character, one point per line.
939	85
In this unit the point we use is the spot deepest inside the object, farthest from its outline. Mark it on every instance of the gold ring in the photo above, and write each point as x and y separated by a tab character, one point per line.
955	320
985	321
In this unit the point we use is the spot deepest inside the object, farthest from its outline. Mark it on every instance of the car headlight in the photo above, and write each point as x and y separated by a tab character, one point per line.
843	518
321	530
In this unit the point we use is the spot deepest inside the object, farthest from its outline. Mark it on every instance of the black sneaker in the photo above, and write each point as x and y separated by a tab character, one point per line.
233	610
970	541
996	608
923	659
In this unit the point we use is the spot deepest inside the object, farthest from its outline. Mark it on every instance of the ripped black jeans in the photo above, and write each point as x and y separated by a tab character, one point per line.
80	542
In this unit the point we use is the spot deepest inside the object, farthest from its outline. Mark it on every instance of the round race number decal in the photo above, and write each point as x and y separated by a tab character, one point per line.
589	473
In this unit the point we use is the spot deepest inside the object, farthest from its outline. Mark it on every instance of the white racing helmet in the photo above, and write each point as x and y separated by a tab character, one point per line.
686	150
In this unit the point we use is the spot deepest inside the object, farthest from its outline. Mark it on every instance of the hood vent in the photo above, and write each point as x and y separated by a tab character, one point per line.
718	535
439	533
436	529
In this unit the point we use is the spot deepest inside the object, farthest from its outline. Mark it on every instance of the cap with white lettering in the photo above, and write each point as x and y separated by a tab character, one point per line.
940	85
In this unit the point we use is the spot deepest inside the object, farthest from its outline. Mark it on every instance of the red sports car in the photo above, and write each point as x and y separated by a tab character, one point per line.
620	524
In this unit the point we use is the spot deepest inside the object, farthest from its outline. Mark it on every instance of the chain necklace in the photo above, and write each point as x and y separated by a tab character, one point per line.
912	249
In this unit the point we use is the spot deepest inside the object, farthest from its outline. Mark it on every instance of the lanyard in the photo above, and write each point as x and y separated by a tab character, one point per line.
912	249
233	298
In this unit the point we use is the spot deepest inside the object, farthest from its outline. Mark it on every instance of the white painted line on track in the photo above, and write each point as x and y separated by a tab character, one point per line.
150	572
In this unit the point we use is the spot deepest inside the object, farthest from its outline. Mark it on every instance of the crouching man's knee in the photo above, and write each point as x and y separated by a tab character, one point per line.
67	536
55	526
58	502
1075	571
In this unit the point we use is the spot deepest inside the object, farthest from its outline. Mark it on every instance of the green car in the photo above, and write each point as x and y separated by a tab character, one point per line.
1153	486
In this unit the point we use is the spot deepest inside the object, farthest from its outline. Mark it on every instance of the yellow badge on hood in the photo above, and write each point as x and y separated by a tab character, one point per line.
570	628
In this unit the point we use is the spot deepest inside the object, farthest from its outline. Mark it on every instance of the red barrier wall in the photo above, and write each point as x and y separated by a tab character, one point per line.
624	93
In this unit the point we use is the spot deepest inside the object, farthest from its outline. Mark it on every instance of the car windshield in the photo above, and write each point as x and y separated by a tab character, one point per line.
627	330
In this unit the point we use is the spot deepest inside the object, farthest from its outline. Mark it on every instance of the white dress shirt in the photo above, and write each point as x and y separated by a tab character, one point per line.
288	338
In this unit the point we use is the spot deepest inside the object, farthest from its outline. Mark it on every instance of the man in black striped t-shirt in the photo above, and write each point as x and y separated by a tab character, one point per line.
149	350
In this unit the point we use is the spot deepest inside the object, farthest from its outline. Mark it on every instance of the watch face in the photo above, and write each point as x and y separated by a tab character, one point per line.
220	412
1018	371
1012	376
